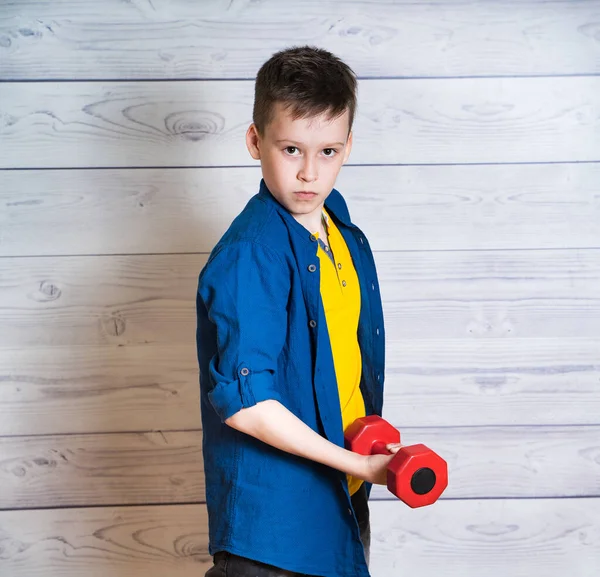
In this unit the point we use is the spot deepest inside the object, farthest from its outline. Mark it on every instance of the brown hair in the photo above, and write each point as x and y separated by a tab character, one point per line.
307	80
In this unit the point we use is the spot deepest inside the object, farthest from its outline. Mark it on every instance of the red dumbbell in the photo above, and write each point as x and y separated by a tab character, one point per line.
416	475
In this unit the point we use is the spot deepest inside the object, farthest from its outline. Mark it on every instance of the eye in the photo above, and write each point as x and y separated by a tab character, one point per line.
291	150
330	152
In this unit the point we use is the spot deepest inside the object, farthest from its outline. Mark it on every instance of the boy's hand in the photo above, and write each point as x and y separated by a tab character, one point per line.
376	465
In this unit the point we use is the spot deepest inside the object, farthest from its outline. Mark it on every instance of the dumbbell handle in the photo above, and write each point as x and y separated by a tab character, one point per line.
379	448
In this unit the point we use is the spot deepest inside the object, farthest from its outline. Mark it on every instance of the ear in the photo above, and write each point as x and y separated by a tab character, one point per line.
253	141
348	148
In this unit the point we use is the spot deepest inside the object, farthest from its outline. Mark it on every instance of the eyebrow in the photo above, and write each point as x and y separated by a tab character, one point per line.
300	144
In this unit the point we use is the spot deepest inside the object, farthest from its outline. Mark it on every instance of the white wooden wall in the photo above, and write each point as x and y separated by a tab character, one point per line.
476	175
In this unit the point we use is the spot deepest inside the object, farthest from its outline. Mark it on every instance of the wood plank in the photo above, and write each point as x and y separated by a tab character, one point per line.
167	467
97	542
493	381
150	299
516	538
411	121
165	39
479	382
399	208
519	538
113	300
81	389
86	470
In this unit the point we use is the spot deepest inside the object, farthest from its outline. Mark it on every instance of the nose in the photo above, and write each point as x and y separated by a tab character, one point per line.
308	172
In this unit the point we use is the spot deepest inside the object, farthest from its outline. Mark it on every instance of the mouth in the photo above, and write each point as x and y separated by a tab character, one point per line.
305	194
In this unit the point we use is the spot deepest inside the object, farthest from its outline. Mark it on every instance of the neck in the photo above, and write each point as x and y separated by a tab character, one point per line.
311	221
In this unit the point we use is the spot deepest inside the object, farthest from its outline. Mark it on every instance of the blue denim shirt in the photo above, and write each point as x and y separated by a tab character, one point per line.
262	334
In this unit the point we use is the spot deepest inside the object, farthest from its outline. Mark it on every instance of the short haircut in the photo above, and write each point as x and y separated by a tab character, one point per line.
308	81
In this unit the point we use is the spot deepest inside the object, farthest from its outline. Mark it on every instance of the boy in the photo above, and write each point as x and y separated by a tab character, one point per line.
291	342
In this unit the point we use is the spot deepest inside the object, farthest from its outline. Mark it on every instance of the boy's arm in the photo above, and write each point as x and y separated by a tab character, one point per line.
275	425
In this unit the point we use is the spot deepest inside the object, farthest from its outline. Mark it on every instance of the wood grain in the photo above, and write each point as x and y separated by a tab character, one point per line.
517	538
452	538
113	300
97	542
410	121
68	212
493	381
85	470
79	389
166	466
224	39
83	389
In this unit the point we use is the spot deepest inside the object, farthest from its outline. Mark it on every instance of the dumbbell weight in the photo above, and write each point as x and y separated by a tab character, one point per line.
416	475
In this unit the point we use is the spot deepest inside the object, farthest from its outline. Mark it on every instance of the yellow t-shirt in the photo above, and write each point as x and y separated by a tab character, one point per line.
340	292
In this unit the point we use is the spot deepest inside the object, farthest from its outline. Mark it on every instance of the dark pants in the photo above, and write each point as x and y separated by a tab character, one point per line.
230	565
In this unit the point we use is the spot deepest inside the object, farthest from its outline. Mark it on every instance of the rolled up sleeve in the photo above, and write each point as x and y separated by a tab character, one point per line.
245	289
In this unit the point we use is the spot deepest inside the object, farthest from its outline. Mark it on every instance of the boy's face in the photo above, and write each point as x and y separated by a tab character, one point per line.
300	160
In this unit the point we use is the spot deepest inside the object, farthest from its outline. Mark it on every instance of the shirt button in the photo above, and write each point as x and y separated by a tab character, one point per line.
244	371
361	240
349	511
343	283
340	265
373	286
377	331
312	323
378	377
312	268
327	249
313	237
